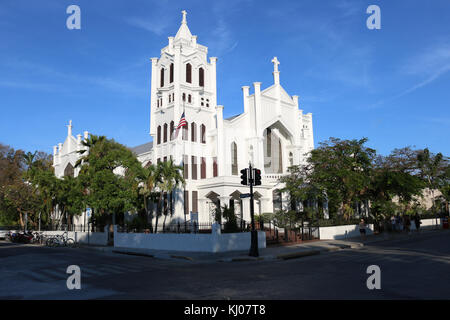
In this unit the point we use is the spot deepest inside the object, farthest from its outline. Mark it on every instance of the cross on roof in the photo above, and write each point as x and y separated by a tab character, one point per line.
275	64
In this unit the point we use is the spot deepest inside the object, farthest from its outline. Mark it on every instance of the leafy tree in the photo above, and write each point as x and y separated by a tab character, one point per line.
109	175
394	176
343	169
433	170
11	170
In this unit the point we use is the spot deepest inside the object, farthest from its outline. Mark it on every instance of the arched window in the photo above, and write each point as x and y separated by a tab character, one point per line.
280	157
193	132
291	159
203	133
269	142
68	171
162	77
171	73
203	168
189	73
172	124
184	96
201	77
215	167
189	98
185	132
165	132
276	200
158	135
234	164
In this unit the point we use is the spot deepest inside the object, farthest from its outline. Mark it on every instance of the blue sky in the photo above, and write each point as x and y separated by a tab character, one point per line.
390	85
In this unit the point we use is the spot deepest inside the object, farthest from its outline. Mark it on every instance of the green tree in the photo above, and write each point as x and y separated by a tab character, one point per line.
394	176
149	180
11	182
343	169
170	177
110	175
432	170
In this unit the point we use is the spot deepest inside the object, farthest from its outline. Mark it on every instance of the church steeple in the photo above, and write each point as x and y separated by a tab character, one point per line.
183	31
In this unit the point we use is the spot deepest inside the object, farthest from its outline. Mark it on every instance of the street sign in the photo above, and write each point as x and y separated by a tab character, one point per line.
244	195
88	212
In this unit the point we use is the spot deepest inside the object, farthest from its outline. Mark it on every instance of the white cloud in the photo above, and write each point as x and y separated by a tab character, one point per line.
157	26
430	64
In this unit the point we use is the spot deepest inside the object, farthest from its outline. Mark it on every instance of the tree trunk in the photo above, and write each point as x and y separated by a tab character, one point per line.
157	213
21	219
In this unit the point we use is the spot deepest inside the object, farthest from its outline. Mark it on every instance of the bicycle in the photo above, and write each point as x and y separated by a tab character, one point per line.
64	240
60	240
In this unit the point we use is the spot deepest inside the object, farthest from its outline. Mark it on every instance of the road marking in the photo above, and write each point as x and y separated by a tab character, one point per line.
91	271
56	273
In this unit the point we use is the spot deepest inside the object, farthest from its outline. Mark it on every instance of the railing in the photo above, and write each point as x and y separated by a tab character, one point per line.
187	227
77	228
298	233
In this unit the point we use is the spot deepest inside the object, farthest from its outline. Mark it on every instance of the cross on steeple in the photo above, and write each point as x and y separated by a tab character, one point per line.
69	128
184	16
275	64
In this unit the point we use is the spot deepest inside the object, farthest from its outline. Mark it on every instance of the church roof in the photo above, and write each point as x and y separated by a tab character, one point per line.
143	148
183	31
233	117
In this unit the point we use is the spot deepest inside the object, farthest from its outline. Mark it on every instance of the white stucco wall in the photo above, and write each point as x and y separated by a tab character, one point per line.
188	242
92	238
343	232
351	231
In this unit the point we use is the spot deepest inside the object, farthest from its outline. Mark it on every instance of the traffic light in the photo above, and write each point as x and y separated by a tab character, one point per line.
244	177
257	177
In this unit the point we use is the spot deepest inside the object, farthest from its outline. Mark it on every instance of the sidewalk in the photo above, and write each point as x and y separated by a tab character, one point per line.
270	253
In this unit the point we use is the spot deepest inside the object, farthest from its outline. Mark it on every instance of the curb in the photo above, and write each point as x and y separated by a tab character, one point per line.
182	257
293	255
133	253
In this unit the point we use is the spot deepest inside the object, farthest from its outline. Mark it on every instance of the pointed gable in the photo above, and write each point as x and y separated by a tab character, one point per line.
183	31
271	92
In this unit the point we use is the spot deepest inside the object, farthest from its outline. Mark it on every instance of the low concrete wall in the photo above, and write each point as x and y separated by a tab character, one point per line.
352	231
427	223
188	242
343	232
93	238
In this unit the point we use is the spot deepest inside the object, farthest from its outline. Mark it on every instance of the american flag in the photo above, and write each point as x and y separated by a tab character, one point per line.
182	123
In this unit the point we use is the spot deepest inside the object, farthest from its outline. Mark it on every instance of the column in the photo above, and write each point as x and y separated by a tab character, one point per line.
220	142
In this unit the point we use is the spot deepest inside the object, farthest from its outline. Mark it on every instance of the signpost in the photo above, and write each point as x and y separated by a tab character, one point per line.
251	177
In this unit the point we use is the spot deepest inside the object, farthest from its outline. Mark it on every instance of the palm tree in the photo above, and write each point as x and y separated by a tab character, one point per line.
88	143
170	178
430	168
29	159
149	180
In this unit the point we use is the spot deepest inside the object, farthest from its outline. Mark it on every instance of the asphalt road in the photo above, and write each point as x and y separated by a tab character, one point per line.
417	268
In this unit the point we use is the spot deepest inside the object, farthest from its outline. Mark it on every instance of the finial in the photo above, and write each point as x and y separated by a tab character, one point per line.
275	64
69	128
184	17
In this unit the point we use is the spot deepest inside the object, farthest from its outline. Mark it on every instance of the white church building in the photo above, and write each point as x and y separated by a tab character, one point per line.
272	133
